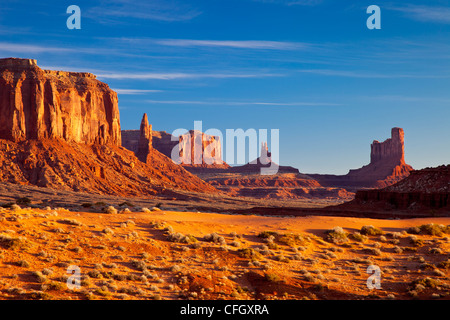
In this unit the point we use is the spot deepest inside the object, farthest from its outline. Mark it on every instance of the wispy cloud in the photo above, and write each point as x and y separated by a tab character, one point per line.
243	44
407	98
242	103
180	75
368	74
425	13
159	10
29	48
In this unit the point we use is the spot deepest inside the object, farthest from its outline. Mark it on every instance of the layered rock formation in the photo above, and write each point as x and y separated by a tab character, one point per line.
199	149
62	130
194	150
262	178
429	188
391	150
387	166
39	104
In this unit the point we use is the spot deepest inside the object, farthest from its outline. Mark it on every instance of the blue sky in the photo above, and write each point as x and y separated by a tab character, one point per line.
309	68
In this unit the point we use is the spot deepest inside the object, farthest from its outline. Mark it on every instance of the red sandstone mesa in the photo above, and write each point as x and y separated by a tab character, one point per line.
62	130
39	104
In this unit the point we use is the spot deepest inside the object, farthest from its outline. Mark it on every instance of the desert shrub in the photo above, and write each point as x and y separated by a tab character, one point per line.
249	253
235	235
267	234
54	285
94	274
196	245
119	277
371	231
179	237
431	229
281	258
373	251
168	229
427	266
415	241
139	264
337	235
435	251
214	237
358	237
146	210
394	235
41	278
426	283
272	277
175	268
47	272
15	207
72	222
13	243
236	244
413	230
23	263
108	231
397	249
290	239
110	210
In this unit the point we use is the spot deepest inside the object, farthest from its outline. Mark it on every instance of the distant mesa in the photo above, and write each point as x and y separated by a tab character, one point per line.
194	150
263	165
387	166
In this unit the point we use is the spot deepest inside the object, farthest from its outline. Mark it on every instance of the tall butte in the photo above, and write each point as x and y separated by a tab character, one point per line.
40	104
387	166
392	150
144	149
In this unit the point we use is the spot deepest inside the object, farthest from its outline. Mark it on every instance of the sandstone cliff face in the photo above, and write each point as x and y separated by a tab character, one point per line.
40	104
428	187
392	150
62	130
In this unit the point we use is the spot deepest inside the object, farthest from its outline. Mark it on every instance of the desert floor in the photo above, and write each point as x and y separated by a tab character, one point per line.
138	253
